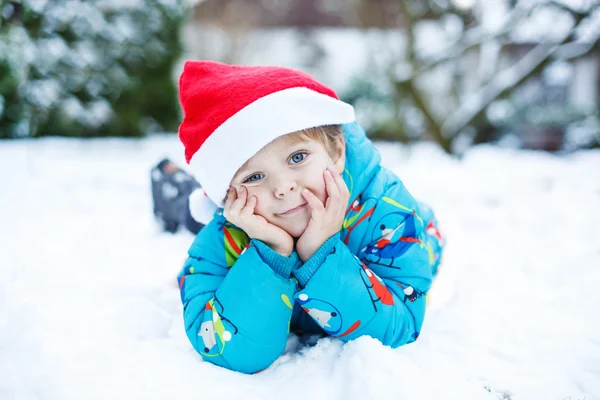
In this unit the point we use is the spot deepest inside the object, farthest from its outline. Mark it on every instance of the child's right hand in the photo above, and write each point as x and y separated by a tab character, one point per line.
239	210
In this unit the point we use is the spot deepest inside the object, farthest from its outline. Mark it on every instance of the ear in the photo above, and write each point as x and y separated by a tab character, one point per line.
339	160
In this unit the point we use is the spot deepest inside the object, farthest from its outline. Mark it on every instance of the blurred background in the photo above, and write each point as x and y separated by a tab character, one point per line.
518	73
89	302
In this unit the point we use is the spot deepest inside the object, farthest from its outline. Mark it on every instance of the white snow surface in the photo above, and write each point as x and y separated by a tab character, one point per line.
89	306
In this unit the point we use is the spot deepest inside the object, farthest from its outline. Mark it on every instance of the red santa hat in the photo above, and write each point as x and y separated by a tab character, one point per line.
232	111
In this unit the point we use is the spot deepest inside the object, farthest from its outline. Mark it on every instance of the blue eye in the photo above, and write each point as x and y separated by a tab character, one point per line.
253	178
298	157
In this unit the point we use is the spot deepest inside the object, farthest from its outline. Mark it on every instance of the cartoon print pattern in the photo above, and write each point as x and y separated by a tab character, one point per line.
214	329
326	315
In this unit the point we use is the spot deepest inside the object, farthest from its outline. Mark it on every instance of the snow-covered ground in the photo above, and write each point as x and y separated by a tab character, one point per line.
89	307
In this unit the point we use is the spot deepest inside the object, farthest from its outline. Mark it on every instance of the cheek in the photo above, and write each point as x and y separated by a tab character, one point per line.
262	204
317	185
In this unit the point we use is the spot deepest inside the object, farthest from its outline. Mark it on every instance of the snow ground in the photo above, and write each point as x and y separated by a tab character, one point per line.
89	307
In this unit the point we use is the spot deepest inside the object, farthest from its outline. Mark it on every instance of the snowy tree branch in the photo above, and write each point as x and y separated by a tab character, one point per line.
476	36
509	79
506	80
566	47
573	50
419	99
472	38
578	15
410	28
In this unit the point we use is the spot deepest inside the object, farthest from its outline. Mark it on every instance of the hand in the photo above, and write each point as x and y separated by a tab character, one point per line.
326	220
239	210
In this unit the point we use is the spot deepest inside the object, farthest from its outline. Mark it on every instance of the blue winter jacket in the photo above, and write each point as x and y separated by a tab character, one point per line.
241	299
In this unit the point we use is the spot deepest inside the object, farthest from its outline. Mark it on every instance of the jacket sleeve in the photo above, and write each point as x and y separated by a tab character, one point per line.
236	298
380	291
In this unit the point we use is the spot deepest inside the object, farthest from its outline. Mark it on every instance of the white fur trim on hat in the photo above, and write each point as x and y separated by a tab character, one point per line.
256	125
201	207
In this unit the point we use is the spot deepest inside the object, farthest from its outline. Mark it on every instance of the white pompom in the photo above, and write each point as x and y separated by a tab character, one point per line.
201	207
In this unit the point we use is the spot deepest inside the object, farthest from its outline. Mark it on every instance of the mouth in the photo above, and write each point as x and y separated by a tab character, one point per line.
295	209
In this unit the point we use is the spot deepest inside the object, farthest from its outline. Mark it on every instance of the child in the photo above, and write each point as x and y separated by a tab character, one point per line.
311	234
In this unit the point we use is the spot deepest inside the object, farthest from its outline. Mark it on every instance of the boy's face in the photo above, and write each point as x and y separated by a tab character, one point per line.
277	174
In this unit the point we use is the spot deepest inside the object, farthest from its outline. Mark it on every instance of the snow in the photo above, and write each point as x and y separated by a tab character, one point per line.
192	3
558	73
582	133
120	4
464	4
43	93
430	39
549	23
492	15
89	306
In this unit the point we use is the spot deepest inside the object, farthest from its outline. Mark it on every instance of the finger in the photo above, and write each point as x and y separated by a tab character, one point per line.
231	196
240	202
250	206
332	189
339	181
313	201
342	199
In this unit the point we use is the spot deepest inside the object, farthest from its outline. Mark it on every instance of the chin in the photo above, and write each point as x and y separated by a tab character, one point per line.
295	227
295	231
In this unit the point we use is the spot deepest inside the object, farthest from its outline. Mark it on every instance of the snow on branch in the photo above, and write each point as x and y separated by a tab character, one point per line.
472	38
504	81
476	36
567	45
513	76
578	14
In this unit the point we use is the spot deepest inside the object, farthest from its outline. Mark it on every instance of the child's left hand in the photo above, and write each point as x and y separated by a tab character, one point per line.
326	220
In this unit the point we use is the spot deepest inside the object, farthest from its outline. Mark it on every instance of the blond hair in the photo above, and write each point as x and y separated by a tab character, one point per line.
326	135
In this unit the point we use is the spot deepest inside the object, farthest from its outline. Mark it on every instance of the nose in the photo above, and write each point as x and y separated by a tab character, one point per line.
284	186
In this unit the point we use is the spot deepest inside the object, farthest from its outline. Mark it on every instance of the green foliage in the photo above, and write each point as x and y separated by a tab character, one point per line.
89	68
11	108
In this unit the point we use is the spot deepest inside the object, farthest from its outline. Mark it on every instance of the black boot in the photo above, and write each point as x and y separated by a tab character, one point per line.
171	188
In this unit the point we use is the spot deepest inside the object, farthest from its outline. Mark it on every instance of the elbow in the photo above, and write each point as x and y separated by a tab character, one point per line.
246	362
407	327
239	354
251	357
401	338
253	365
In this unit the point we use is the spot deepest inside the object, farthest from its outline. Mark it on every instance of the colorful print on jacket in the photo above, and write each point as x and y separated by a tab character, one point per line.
241	299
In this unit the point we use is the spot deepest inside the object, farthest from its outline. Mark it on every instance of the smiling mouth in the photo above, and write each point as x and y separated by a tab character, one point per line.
295	209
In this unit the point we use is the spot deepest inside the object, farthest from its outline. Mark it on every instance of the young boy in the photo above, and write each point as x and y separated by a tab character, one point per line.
311	233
